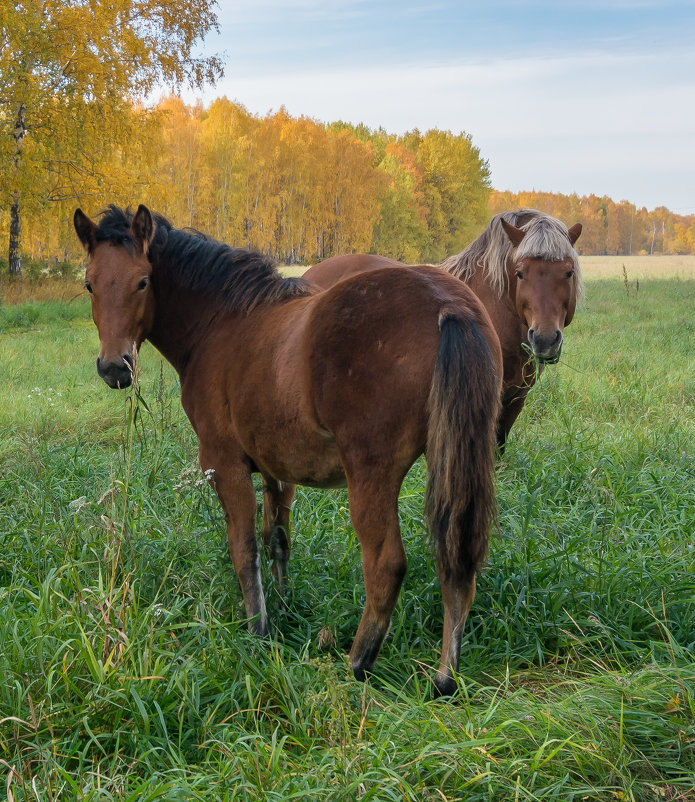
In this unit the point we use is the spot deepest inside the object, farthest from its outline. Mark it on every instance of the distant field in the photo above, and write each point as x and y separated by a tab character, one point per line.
638	267
596	267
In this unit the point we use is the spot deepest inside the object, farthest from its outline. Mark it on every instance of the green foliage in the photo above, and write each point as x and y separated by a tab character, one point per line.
127	672
37	271
457	182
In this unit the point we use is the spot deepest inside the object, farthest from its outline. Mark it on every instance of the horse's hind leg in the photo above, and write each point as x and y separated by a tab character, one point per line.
374	514
457	596
277	502
236	493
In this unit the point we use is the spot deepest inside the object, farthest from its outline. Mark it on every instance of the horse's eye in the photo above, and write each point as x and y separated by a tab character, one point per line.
519	274
88	287
142	284
569	274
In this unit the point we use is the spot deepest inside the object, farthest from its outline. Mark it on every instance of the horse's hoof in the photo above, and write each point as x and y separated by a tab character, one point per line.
259	628
360	674
444	686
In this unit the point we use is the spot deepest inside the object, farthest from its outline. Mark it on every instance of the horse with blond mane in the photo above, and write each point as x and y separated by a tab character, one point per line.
525	270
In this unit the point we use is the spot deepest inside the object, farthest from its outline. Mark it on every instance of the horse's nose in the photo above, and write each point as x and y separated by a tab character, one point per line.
548	340
117	373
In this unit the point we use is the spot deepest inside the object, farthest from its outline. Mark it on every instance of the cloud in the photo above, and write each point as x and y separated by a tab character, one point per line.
499	99
610	111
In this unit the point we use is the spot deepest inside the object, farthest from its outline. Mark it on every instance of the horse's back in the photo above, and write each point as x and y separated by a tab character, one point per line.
337	268
373	341
397	304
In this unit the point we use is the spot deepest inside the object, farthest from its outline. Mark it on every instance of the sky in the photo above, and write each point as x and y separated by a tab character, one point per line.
585	96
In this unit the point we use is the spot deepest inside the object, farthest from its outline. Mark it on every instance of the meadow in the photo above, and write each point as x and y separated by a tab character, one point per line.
127	673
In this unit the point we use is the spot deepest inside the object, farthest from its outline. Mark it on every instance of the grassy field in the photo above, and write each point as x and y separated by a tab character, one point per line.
126	672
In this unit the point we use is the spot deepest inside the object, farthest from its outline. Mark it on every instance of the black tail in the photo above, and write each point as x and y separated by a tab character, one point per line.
464	405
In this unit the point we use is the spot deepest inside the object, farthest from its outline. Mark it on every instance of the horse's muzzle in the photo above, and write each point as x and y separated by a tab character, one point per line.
548	360
546	348
117	374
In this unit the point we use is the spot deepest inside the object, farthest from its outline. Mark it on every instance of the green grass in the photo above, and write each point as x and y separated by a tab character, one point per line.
126	671
29	314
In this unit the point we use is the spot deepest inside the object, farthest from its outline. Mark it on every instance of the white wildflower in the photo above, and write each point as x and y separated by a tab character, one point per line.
77	504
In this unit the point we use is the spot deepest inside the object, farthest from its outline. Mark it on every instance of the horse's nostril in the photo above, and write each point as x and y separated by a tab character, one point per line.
128	359
531	334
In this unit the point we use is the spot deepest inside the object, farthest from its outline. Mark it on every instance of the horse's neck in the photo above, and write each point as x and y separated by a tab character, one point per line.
511	330
181	321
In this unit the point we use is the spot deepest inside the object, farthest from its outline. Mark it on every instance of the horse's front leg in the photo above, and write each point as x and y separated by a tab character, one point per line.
374	514
509	413
277	503
234	486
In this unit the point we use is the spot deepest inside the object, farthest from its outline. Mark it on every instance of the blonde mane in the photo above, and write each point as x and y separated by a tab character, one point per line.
546	238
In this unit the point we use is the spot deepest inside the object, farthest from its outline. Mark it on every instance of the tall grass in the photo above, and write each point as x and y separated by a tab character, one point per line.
125	665
62	281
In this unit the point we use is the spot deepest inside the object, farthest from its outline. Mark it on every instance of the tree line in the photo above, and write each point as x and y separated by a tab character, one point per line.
609	227
301	190
74	131
292	187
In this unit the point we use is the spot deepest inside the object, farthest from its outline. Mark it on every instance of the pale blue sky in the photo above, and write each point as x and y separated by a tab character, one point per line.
577	96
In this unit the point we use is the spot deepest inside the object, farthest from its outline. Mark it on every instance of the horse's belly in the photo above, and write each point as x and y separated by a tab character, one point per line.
322	476
309	459
326	483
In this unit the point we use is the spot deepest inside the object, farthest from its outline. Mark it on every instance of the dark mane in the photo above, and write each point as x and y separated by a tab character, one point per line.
237	278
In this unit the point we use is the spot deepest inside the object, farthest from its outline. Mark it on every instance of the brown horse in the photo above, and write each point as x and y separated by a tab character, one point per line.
348	386
525	270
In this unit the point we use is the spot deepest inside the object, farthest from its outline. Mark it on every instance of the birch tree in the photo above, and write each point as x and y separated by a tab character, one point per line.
70	71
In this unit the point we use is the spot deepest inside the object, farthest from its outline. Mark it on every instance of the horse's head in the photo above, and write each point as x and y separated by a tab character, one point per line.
119	281
545	291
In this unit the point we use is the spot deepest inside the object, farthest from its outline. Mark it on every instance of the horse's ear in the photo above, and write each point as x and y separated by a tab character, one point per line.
142	228
86	230
574	232
515	234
